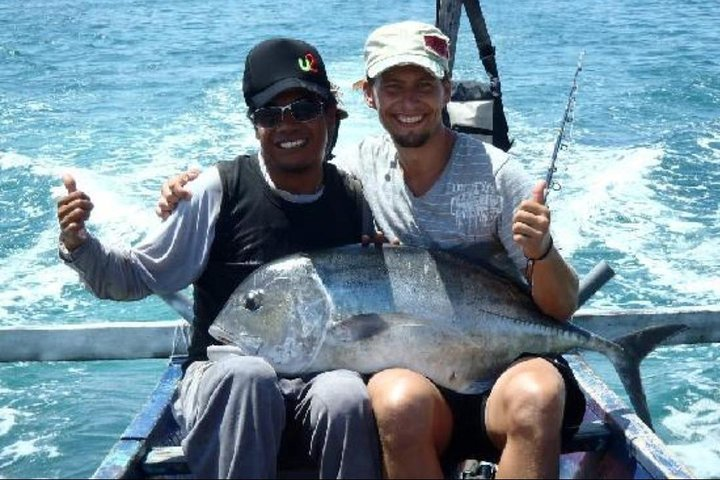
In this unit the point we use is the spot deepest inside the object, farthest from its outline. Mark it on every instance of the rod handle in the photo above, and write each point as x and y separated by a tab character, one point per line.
594	281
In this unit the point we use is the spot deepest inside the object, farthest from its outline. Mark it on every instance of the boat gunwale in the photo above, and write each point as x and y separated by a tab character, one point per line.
630	438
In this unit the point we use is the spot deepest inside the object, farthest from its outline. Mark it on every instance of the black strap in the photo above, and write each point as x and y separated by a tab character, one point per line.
482	37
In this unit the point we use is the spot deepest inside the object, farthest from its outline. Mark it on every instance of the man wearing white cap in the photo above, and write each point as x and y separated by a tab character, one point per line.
433	187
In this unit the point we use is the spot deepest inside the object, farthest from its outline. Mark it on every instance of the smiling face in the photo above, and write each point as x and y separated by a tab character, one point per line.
293	147
409	100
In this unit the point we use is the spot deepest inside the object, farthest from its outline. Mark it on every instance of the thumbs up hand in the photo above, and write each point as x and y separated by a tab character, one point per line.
73	210
531	224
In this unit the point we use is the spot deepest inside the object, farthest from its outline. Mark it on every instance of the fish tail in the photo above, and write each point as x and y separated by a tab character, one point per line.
633	349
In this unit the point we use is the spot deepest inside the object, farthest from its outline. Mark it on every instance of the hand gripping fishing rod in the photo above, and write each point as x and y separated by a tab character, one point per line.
602	272
559	141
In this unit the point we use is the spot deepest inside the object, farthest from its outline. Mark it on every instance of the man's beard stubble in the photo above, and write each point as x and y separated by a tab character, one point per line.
411	140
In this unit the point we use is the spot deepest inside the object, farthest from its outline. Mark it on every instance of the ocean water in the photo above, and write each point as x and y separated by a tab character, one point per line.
124	93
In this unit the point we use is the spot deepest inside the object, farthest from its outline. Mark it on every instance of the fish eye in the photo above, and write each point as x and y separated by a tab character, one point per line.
253	300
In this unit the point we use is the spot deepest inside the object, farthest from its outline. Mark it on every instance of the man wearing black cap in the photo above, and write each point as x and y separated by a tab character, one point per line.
237	415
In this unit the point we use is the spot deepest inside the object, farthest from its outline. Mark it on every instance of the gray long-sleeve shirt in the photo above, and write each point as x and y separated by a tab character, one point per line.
168	260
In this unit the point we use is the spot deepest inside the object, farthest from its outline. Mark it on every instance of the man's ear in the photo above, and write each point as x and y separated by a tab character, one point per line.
447	90
332	124
331	114
368	94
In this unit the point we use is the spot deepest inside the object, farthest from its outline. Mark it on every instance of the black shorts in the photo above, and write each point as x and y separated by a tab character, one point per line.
469	436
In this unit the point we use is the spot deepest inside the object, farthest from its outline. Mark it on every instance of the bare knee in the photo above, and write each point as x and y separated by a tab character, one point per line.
534	403
409	410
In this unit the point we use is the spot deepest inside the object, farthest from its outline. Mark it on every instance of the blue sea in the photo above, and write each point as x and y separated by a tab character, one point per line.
123	93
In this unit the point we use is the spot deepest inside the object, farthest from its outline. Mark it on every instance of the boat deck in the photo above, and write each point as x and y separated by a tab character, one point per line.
612	442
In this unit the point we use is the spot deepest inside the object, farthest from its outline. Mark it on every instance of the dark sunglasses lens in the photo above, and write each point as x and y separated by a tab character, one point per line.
267	117
301	111
305	110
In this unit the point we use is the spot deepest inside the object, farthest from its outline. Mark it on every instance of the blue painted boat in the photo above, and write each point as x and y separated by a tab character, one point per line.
612	443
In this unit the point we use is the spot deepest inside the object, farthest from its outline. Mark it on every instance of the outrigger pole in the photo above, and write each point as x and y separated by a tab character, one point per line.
447	19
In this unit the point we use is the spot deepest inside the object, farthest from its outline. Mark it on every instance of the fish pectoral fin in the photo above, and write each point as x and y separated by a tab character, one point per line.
367	325
358	327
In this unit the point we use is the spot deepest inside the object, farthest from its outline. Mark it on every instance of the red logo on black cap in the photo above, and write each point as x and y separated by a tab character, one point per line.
308	63
437	45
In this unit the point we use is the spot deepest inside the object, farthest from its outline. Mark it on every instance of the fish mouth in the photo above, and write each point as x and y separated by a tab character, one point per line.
250	344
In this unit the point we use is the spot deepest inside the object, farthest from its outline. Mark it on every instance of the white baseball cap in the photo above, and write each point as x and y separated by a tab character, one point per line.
407	43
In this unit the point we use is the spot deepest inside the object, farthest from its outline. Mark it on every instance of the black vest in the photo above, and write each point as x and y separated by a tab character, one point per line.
256	226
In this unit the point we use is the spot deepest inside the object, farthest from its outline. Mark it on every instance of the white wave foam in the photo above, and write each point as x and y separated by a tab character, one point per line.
119	215
698	431
710	142
27	448
38	106
7	419
702	457
219	130
10	160
609	196
124	194
41	166
703	414
36	274
604	192
27	279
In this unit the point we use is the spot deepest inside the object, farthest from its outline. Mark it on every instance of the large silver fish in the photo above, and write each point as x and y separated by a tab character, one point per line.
367	309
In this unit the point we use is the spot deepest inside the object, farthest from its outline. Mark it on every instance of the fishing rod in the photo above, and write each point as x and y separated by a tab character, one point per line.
567	119
602	272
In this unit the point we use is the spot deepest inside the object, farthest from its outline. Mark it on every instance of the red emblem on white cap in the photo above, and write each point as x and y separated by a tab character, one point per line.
437	45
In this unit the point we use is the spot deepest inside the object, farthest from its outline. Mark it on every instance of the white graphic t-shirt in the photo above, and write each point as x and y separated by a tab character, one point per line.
468	210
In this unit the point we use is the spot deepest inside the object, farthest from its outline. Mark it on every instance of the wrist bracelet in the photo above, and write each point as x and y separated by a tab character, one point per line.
544	255
530	266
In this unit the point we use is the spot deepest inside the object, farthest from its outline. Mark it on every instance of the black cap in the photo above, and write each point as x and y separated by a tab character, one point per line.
279	64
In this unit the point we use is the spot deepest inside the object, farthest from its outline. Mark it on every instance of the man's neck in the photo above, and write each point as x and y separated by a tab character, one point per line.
301	182
422	166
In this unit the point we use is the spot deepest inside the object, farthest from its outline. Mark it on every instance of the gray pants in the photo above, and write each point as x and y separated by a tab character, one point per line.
235	412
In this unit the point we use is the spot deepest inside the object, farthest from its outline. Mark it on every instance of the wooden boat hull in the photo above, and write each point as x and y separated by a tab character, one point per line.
627	449
153	426
633	451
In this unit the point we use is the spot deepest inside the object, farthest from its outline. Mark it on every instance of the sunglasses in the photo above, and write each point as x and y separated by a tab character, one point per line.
302	110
